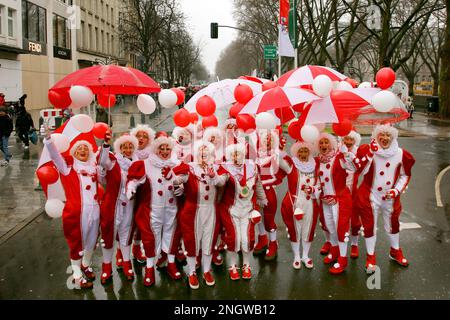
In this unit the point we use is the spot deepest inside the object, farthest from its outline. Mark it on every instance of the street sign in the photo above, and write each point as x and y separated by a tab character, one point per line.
270	52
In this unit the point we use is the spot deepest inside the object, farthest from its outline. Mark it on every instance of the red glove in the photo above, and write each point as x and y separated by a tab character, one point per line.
307	189
329	200
392	193
167	173
373	146
211	172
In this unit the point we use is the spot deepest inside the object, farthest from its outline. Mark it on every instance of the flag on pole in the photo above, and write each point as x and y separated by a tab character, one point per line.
285	47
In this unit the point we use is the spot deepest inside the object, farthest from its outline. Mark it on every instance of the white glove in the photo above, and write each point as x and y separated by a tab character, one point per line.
262	203
130	194
179	190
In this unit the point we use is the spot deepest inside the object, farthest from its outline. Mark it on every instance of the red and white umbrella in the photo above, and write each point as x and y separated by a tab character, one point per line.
354	105
305	75
279	100
254	79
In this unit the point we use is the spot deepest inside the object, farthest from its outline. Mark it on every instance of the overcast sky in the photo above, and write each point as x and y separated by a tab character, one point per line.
200	14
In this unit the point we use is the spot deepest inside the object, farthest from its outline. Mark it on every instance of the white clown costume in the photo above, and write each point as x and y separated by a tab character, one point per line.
81	211
116	212
156	214
387	173
241	183
300	209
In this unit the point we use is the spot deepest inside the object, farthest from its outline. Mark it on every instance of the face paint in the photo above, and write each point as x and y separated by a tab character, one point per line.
303	154
82	153
164	152
143	139
384	140
127	149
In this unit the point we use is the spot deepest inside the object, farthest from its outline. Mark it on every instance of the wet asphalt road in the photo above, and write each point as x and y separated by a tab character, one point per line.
35	260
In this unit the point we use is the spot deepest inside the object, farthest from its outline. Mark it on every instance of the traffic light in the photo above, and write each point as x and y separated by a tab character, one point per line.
214	30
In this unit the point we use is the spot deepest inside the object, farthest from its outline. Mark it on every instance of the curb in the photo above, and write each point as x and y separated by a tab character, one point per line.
8	235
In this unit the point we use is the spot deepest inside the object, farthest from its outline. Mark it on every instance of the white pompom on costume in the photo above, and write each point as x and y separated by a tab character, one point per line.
385	128
145	128
123	139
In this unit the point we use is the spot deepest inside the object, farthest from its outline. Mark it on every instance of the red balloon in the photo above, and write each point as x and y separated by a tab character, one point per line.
343	128
385	78
102	100
206	106
182	118
59	100
245	122
99	130
294	130
243	93
180	95
210	121
269	85
47	175
353	82
235	109
194	117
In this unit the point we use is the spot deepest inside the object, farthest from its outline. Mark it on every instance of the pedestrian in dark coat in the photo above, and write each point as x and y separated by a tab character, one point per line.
6	127
24	123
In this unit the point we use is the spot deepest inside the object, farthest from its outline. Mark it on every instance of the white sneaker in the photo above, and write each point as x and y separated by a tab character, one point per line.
308	263
4	163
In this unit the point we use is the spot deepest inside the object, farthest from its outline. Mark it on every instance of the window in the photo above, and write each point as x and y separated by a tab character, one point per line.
1	12
61	33
11	18
83	35
91	38
97	41
34	22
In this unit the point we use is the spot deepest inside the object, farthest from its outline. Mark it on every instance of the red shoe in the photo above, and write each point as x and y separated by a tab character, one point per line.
371	263
180	256
262	245
325	248
137	253
119	259
162	261
106	273
217	258
354	253
246	272
340	266
82	283
234	274
149	278
193	281
128	270
332	255
397	256
88	272
209	279
173	272
271	253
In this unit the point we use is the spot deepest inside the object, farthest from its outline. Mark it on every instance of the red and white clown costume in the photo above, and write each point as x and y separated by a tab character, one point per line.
184	143
336	199
156	213
116	211
199	217
387	171
241	181
300	209
350	143
81	212
145	136
268	159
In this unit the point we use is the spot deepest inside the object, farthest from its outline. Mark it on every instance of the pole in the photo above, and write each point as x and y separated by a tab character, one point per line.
279	65
296	58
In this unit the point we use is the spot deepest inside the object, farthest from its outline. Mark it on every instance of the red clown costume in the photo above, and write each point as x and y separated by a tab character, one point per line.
242	188
387	171
145	136
156	213
336	199
198	217
116	212
79	177
268	160
350	143
300	209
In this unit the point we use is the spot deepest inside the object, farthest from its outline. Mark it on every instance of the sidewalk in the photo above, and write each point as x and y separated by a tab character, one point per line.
20	203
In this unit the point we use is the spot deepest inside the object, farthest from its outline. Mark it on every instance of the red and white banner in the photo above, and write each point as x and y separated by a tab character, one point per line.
285	48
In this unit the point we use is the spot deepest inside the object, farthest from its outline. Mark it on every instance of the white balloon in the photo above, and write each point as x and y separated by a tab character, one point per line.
54	208
335	85
365	85
265	120
82	123
310	133
81	96
322	85
344	86
384	101
61	142
320	126
167	98
146	104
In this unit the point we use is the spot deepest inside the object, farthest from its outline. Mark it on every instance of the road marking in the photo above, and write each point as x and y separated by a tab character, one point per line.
409	225
437	186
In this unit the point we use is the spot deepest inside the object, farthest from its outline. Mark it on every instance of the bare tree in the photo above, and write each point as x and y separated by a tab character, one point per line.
444	83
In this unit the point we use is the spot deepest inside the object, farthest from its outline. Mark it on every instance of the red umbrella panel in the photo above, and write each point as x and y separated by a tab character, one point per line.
305	75
109	79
